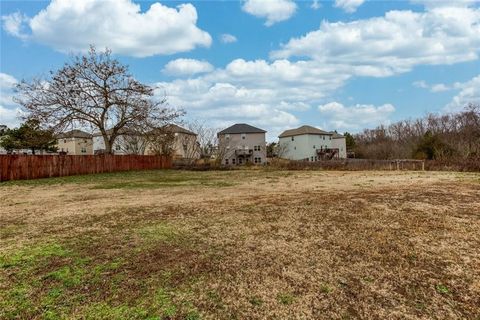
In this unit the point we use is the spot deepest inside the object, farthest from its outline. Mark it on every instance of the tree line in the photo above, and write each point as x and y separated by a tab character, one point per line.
454	136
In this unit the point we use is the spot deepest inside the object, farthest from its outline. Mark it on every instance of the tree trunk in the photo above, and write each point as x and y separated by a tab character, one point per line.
108	145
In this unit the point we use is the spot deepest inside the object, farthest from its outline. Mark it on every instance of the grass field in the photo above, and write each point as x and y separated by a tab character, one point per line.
243	244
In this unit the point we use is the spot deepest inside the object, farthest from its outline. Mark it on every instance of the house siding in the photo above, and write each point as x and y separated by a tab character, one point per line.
235	142
303	146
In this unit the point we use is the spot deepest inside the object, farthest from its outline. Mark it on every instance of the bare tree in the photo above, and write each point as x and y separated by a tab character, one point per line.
98	91
160	141
207	139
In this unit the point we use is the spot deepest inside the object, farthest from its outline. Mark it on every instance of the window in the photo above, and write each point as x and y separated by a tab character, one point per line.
84	150
293	138
227	136
258	160
323	137
330	138
233	161
226	161
316	158
314	147
184	147
64	140
311	159
256	148
294	148
244	135
117	147
240	161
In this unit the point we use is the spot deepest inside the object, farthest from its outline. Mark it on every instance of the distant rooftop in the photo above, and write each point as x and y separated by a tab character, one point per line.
241	128
74	134
303	130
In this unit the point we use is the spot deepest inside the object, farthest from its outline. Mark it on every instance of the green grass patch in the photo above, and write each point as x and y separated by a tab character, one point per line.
31	255
149	179
285	298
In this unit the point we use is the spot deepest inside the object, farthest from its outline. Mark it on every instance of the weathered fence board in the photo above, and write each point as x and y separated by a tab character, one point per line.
18	167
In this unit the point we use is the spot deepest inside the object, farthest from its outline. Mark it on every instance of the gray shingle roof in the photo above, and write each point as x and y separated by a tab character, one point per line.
303	130
241	128
74	134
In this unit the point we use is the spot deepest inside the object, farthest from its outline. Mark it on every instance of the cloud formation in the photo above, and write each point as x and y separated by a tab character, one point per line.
469	94
394	43
273	11
9	111
349	6
228	38
70	25
187	67
355	117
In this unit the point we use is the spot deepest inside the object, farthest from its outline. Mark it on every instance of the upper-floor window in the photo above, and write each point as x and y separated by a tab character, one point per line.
84	150
243	135
256	148
330	138
314	147
117	147
64	140
323	137
227	136
293	138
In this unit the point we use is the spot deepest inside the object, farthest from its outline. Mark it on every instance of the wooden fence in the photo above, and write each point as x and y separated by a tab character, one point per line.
351	164
17	167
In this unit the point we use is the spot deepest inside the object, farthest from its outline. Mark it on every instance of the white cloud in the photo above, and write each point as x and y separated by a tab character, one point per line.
273	10
437	87
70	25
187	67
9	110
316	5
394	43
355	117
469	93
228	38
14	24
349	6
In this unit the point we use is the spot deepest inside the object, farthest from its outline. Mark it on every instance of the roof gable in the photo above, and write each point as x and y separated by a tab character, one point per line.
74	134
303	130
241	128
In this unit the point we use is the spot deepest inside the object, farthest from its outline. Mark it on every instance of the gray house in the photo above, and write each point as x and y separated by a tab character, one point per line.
242	144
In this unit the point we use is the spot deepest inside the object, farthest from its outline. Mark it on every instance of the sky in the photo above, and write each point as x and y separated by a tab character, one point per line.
340	65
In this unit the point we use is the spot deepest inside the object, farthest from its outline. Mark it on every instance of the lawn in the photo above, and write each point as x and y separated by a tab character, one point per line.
242	244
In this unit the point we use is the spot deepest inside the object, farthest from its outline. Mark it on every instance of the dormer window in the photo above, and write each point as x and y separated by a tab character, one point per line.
244	135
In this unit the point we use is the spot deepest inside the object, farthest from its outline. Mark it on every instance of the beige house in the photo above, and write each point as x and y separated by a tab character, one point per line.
242	144
184	144
75	142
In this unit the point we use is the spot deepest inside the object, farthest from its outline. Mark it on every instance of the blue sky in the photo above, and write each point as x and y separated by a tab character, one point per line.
339	65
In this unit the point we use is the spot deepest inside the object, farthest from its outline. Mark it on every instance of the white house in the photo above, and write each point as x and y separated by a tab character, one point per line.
311	144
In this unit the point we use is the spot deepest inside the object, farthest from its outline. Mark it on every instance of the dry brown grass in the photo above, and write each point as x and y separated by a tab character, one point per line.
275	244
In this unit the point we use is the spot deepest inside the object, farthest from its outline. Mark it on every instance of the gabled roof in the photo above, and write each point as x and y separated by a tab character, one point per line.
74	134
303	130
337	136
241	128
177	129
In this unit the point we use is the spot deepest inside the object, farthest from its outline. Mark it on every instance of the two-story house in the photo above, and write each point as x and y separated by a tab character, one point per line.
309	144
242	144
75	142
184	144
